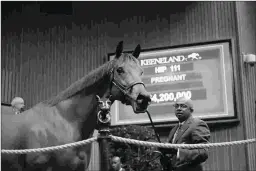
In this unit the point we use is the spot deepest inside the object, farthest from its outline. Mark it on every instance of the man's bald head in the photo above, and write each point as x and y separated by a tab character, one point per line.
116	163
116	158
186	101
183	108
17	103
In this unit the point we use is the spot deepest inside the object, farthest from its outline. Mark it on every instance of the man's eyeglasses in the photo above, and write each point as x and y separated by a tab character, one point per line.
182	106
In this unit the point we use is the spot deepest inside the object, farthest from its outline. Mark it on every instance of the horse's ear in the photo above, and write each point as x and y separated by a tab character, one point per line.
119	49
136	52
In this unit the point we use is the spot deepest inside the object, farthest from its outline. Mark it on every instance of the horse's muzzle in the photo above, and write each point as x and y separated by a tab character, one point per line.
142	103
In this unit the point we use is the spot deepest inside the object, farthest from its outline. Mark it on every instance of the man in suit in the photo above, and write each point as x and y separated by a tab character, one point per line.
189	131
116	164
17	105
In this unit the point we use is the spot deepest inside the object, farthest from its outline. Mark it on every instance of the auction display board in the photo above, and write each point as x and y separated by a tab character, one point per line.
200	72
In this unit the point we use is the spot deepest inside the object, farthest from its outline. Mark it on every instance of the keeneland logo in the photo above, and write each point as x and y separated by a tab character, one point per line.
170	59
195	56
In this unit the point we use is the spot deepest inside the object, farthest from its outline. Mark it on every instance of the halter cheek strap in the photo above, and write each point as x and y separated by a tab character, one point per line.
122	88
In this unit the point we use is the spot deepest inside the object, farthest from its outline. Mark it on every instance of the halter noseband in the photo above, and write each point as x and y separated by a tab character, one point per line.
122	88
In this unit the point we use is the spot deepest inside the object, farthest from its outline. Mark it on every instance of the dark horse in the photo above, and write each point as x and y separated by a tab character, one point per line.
71	116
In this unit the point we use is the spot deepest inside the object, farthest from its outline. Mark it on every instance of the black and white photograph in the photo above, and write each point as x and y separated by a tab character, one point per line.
128	86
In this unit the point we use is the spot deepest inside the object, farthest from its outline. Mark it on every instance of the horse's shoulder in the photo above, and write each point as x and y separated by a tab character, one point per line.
37	127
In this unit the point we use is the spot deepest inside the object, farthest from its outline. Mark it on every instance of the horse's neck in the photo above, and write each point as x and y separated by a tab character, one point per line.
77	109
80	111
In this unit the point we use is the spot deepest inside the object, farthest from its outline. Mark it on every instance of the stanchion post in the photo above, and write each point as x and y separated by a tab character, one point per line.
103	122
104	150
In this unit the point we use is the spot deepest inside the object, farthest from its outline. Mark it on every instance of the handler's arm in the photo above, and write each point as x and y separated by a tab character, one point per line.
200	135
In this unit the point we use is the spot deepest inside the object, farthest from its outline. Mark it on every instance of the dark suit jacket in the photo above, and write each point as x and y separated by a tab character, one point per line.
193	131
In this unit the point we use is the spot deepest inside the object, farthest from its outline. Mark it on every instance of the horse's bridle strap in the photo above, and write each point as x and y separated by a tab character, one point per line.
122	88
125	89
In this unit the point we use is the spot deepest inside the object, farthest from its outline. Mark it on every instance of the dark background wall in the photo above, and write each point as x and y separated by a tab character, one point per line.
43	54
246	14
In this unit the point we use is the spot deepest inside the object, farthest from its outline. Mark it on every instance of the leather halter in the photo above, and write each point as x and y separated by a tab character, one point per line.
122	88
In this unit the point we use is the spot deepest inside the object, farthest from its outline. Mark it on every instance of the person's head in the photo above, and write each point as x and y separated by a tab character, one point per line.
116	163
18	103
183	108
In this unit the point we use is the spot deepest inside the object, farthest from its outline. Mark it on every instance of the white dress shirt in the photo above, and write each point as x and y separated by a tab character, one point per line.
178	152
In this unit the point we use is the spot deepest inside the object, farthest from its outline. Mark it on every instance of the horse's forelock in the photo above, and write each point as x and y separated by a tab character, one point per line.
127	57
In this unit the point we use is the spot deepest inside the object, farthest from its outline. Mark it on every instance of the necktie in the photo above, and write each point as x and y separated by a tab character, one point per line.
176	133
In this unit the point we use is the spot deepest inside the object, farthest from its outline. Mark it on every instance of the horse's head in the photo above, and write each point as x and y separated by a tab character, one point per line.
126	79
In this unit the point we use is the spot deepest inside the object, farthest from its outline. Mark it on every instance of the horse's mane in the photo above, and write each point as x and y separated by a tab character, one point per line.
88	81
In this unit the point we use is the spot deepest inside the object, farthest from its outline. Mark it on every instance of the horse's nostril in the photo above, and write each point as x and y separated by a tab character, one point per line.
140	97
143	102
149	99
143	99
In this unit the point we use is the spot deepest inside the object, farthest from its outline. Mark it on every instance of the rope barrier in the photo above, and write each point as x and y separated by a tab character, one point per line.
129	141
162	145
48	149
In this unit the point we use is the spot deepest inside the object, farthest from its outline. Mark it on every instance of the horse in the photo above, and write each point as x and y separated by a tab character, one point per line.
71	116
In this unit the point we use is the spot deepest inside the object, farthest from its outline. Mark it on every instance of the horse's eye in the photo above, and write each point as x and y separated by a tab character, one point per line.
120	70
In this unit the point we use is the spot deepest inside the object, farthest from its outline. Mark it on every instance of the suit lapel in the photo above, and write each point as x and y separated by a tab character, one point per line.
170	137
183	128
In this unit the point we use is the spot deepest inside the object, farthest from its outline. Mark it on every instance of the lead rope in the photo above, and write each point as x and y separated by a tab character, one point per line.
152	124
